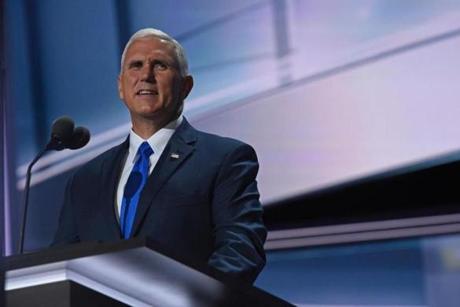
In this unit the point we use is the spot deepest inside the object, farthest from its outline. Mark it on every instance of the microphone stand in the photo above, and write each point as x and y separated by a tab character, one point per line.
63	136
56	144
26	199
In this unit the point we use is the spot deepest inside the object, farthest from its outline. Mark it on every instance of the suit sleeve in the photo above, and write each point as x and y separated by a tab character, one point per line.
239	232
67	231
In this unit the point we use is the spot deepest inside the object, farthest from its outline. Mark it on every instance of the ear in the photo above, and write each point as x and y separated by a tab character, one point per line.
120	88
187	86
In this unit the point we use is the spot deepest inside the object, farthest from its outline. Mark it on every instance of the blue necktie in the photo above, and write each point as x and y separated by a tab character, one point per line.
133	189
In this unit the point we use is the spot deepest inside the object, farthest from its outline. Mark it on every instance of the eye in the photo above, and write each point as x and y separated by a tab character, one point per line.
135	64
159	66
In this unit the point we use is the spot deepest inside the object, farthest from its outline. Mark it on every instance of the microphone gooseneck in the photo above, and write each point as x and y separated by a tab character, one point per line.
26	200
63	135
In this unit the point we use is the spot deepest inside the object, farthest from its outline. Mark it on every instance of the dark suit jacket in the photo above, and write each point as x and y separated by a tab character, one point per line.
203	205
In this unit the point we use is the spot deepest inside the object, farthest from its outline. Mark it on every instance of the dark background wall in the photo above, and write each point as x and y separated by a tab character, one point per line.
325	92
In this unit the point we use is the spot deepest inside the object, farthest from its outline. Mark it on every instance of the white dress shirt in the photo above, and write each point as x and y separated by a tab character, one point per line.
157	142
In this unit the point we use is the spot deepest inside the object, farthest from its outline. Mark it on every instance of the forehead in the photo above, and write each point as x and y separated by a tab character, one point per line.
151	45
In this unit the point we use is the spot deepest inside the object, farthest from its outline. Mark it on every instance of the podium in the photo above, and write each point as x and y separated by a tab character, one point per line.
136	272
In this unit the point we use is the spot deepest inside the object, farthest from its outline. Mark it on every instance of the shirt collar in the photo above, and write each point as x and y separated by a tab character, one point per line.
157	141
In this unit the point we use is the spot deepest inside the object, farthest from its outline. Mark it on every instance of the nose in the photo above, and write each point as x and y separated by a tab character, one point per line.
148	73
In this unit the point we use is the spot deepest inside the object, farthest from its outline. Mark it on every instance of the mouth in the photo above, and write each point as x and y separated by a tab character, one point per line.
146	92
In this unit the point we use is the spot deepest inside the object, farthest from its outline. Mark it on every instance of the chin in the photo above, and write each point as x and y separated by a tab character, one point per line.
150	111
157	116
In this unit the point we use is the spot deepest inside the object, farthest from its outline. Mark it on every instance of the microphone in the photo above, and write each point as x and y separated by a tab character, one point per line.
63	135
80	138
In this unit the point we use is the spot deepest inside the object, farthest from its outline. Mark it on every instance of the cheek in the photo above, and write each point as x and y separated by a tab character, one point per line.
129	79
176	87
166	88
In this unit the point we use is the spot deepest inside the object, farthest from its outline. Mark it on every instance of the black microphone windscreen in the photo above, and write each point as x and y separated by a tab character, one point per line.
79	138
62	129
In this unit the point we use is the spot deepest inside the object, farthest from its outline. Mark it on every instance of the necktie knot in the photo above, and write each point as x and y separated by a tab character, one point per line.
145	150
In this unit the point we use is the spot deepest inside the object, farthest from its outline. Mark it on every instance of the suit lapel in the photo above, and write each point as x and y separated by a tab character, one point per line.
179	148
111	171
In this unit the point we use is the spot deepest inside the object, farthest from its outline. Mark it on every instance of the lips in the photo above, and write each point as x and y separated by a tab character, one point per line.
146	92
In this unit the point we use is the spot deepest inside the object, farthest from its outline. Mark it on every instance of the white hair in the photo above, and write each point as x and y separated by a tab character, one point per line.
147	32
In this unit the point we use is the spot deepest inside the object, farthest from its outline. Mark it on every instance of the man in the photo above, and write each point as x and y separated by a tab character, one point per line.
193	192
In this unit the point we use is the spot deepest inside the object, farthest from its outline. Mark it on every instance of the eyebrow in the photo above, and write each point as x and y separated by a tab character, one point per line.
134	61
163	59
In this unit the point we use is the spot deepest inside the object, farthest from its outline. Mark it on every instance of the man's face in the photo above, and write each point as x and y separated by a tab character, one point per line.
150	83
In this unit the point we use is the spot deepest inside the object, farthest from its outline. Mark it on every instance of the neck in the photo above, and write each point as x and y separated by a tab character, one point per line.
145	128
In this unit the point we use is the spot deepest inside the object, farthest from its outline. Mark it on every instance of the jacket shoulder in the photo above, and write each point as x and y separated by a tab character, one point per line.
95	164
214	142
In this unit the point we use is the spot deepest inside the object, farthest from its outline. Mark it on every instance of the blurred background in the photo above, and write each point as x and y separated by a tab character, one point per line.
351	105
